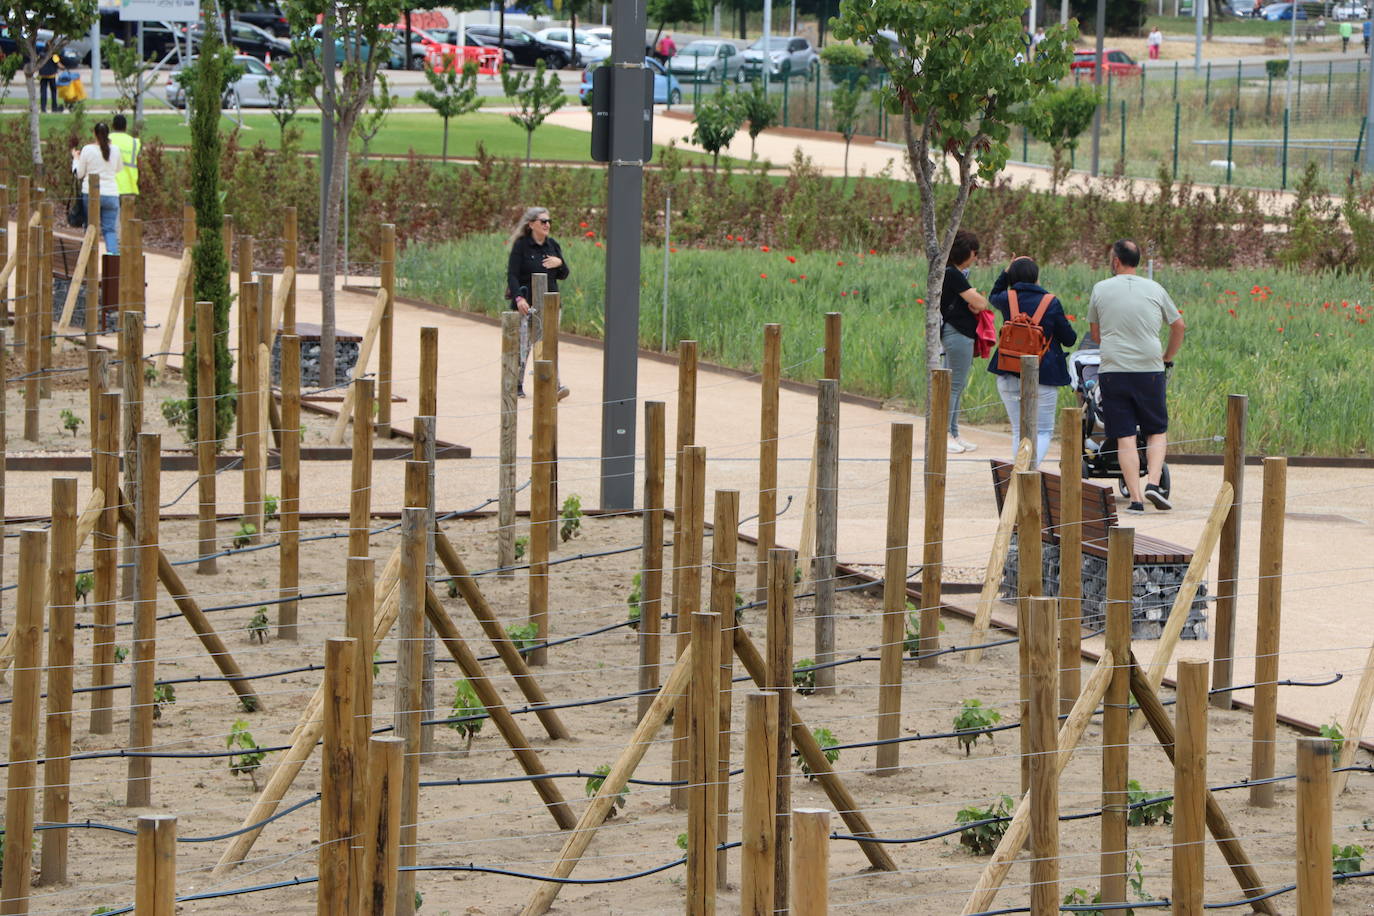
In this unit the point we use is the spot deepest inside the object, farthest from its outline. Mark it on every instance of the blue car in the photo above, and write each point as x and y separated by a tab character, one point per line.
667	90
1277	12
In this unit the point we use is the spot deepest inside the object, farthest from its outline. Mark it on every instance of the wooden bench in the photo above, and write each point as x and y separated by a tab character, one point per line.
1159	564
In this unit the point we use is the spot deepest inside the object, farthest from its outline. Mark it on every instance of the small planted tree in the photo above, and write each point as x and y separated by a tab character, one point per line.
828	744
570	525
716	122
845	104
538	94
292	84
452	92
65	19
133	74
973	721
248	757
1061	116
597	780
371	119
984	827
759	110
468	711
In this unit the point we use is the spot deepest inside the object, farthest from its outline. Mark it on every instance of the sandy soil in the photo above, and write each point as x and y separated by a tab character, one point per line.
504	825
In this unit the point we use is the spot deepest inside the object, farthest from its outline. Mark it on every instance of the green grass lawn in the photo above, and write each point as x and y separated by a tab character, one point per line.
1232	27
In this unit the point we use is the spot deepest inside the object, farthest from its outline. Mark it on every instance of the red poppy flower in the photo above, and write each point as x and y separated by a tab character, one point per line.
872	251
672	250
839	263
1231	312
790	259
1072	317
792	280
763	276
591	234
582	225
729	238
598	244
920	302
1280	330
764	248
802	277
843	293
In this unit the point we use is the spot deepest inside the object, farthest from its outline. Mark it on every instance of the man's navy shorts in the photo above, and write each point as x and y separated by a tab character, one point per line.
1133	401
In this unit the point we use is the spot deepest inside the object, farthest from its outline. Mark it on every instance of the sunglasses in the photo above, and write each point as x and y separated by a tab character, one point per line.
544	220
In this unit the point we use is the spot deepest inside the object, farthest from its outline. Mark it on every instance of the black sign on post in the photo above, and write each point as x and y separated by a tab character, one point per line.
601	114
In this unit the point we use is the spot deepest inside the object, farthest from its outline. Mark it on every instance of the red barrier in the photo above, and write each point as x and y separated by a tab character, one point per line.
488	59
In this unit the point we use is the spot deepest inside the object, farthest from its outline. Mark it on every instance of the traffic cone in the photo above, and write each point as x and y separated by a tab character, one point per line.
267	59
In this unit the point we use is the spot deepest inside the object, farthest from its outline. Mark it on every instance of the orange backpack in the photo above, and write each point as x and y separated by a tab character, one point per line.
1022	335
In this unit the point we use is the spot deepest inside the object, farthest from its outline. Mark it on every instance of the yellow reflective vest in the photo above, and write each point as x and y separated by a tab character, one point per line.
129	147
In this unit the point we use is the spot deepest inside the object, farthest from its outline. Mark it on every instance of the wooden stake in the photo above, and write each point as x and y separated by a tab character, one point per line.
1070	556
248	323
686	435
1228	554
207	437
289	575
189	232
688	556
1264	721
1030	406
170	323
1354	723
1115	715
250	397
1001	545
382	832
132	381
385	346
155	888
337	826
552	317
45	326
291	259
105	557
83	258
1190	788
510	371
351	408
768	456
781	562
724	554
932	562
429	372
1314	826
810	861
139	792
19	264
360	496
893	640
57	766
651	559
33	361
358	607
827	525
1041	724
23	768
4	411
410	674
704	720
1029	584
758	831
541	518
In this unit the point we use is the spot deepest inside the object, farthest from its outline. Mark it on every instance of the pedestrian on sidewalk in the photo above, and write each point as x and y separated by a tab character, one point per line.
103	160
960	304
129	147
1124	317
1022	280
1154	41
532	251
1346	31
47	78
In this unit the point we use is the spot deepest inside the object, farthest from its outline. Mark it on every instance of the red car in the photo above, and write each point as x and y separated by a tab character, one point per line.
1119	63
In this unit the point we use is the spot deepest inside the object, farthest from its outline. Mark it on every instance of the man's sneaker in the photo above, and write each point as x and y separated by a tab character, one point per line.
563	392
968	446
955	447
520	391
1136	508
1157	497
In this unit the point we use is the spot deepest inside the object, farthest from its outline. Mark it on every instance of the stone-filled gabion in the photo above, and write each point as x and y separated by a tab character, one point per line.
345	356
1154	588
60	286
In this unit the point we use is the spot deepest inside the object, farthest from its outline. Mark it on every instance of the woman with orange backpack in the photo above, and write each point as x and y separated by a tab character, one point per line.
1034	324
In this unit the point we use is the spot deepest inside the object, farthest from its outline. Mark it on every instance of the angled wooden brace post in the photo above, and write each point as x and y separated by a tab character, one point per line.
360	368
169	326
1001	543
88	243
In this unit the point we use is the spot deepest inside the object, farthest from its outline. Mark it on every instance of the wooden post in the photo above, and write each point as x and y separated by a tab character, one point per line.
262	343
132	382
32	351
1043	746
410	673
687	554
758	830
1314	826
1354	723
833	342
893	642
290	261
93	315
1190	788
4	423
651	562
44	316
105	556
932	555
541	518
155	883
289	574
1029	584
1070	556
810	861
1267	621
21	257
139	792
778	659
686	435
1228	554
382	831
246	381
768	455
57	766
207	441
724	555
827	534
549	346
510	371
385	346
425	437
23	768
337	826
1116	715
703	723
358	608
1030	403
188	301
360	497
250	397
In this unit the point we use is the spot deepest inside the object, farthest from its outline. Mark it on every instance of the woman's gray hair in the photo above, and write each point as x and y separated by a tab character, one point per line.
522	228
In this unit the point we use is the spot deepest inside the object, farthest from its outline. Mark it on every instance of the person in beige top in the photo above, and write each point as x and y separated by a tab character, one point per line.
105	162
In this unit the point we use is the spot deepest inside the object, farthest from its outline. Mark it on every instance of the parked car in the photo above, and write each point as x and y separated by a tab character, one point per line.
602	32
1119	63
1342	11
263	14
707	60
249	91
526	49
421	44
247	38
667	90
1282	12
590	51
787	56
315	33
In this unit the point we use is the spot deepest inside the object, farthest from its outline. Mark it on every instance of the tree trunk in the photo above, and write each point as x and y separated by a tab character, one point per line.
846	160
446	139
35	133
741	23
529	145
329	251
572	37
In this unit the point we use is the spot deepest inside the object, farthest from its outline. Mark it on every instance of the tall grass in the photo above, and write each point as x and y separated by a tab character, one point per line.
1299	345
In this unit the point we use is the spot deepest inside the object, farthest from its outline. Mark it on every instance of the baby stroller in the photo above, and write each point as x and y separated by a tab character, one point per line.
1099	454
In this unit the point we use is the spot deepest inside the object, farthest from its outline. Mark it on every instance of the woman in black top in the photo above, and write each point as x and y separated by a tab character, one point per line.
532	251
960	304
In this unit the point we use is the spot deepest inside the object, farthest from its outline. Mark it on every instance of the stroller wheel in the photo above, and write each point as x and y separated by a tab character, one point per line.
1164	482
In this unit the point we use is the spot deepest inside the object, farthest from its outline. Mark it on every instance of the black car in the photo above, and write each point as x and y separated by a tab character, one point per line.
159	38
247	38
266	16
525	48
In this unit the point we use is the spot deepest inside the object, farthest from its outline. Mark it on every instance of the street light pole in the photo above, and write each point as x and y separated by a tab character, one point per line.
1099	64
1292	43
1369	108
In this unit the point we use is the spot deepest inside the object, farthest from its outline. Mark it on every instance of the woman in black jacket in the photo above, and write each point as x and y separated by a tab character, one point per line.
532	251
1023	275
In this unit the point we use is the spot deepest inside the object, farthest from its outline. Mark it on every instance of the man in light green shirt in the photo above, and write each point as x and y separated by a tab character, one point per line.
1125	314
129	147
1346	32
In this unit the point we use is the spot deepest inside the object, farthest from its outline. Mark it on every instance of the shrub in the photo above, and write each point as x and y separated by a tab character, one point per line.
804	676
845	62
633	598
1143	811
244	535
596	781
525	635
1346	860
249	757
270	505
465	706
177	413
571	515
522	544
1276	68
70	421
974	720
1337	738
985	827
85	582
257	626
163	695
828	743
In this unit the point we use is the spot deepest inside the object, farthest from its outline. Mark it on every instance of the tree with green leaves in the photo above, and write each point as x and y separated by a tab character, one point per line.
362	45
9	68
453	92
129	69
665	12
538	94
210	267
845	104
67	19
1061	115
760	110
960	79
379	108
292	83
716	121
